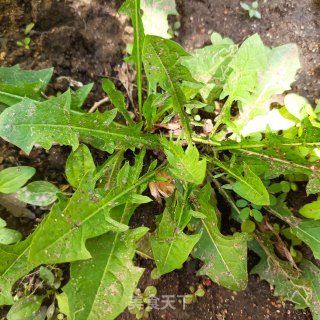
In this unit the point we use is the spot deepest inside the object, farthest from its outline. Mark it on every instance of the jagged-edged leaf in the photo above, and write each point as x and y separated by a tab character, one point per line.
170	245
12	179
16	84
161	62
79	96
312	273
117	99
14	265
224	257
288	282
38	193
26	308
185	165
79	163
155	16
210	66
101	288
26	124
277	76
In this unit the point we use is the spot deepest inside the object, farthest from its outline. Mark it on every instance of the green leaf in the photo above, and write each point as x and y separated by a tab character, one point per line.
160	58
26	124
9	236
185	166
79	96
46	275
312	273
117	99
38	193
170	245
225	257
28	28
155	16
12	179
101	288
25	308
15	264
313	185
288	283
79	163
16	84
311	210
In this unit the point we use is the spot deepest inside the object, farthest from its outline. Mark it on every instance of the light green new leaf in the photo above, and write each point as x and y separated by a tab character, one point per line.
185	165
26	124
250	187
117	99
38	193
224	257
311	210
288	283
79	96
25	308
155	16
101	288
16	84
312	273
79	163
161	62
9	236
12	179
14	265
170	245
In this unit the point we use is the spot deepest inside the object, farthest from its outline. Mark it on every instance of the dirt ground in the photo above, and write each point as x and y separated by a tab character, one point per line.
85	40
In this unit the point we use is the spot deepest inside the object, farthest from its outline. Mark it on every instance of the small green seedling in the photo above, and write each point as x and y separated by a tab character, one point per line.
194	294
26	41
252	9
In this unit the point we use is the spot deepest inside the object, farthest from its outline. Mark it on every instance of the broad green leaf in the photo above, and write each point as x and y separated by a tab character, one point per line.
185	165
224	257
9	236
155	16
251	188
38	193
288	283
117	99
14	265
275	77
132	9
25	308
312	273
12	179
26	124
79	163
101	288
16	84
161	62
311	210
79	96
170	245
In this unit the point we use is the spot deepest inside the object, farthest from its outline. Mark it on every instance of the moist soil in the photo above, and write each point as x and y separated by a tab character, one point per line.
85	40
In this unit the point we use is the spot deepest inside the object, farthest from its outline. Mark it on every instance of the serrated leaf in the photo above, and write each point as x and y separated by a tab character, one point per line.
155	16
161	62
117	99
185	165
312	273
79	163
288	283
12	179
26	124
38	193
16	84
101	288
25	308
224	257
15	264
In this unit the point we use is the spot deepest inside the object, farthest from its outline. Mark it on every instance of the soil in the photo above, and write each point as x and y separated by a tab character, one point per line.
85	40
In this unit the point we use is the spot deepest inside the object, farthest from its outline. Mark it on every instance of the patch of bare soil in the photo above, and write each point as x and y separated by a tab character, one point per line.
85	40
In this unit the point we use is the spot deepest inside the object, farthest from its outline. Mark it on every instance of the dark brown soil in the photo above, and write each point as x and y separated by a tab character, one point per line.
85	40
